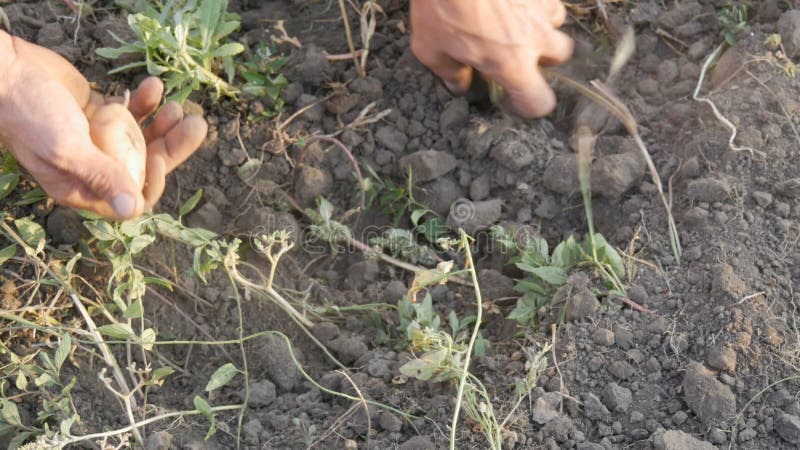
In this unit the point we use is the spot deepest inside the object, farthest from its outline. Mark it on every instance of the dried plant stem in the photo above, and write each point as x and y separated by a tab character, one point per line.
730	126
353	161
603	96
132	427
125	394
470	266
350	43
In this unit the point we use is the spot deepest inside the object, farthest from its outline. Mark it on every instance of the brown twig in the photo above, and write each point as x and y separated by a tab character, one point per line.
338	144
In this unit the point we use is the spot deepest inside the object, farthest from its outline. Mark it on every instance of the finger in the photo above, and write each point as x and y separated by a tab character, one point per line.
167	117
525	87
156	174
168	151
183	140
106	185
84	199
455	75
553	10
146	98
95	101
558	48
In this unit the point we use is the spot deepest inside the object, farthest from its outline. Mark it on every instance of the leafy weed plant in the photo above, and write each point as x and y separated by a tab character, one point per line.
445	357
546	271
398	201
185	43
732	22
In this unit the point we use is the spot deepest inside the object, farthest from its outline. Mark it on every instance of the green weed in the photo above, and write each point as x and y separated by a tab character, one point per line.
546	271
732	22
263	80
398	202
185	43
445	357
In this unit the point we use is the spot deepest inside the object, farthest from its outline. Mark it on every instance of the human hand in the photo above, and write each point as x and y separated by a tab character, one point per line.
45	104
506	40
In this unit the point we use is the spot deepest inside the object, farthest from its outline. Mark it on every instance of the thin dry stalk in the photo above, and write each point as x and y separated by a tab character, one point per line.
603	96
125	394
369	22
350	43
730	126
284	37
363	402
338	144
4	20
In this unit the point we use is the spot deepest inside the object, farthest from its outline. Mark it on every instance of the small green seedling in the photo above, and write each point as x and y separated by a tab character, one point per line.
264	80
732	22
398	201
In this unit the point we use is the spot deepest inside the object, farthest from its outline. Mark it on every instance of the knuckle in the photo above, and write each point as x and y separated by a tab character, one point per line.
97	181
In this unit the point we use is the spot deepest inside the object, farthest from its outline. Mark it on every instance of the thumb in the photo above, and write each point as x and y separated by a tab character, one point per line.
108	186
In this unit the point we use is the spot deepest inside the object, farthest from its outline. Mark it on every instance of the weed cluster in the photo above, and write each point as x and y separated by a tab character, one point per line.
546	271
187	44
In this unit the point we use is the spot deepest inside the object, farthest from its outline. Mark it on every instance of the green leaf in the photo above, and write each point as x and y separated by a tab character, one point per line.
205	409
202	405
101	230
453	318
30	197
432	229
566	254
227	28
160	374
134	310
139	243
45	380
19	439
417	214
8	182
117	331
189	204
325	209
31	232
425	366
63	350
66	425
526	311
133	227
148	339
609	255
481	345
221	377
248	170
159	281
9	413
553	275
230	49
7	253
21	381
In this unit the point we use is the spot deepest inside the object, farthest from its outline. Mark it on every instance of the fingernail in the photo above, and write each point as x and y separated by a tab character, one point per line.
452	87
123	205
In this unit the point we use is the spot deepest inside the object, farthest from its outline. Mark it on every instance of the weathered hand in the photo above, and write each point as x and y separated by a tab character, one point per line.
505	40
44	105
